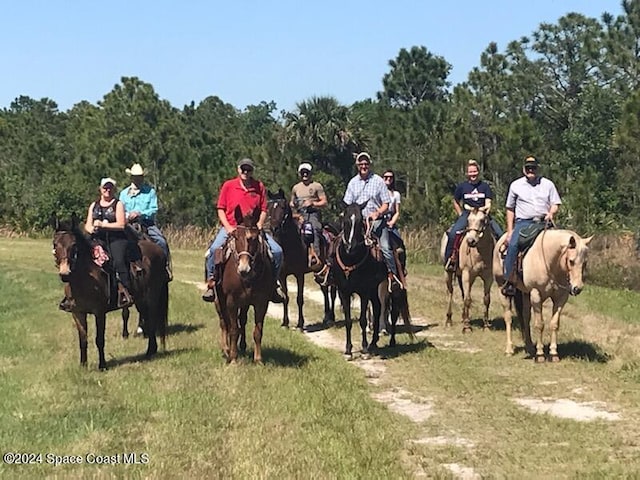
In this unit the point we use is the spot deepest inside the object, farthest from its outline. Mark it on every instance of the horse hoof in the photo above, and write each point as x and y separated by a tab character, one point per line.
366	355
466	330
555	358
540	359
348	357
392	342
285	325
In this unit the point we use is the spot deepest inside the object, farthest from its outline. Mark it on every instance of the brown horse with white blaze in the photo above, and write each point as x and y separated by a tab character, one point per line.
91	287
475	260
246	280
552	268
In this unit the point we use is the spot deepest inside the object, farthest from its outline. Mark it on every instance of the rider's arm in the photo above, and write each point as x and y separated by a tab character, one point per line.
511	216
262	219
395	217
223	220
552	211
88	224
151	207
382	209
321	202
487	206
457	207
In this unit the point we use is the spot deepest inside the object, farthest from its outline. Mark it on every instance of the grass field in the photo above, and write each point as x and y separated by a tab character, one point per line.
307	413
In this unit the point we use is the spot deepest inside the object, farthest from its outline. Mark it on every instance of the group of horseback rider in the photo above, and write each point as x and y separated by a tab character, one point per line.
381	204
531	198
110	221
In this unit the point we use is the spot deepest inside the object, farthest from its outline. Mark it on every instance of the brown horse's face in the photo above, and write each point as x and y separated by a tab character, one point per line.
575	262
277	211
476	223
65	252
247	244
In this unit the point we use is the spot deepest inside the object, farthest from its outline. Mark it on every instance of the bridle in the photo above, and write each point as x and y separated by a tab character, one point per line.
243	253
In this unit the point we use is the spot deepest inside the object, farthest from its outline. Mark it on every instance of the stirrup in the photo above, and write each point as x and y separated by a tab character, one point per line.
124	298
391	278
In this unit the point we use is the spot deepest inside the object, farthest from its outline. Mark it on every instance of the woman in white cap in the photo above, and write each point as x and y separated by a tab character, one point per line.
106	222
307	198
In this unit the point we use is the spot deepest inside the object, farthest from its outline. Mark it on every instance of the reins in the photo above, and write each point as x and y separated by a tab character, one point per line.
546	265
348	269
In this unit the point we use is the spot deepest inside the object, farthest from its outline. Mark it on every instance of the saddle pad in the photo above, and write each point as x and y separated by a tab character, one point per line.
528	235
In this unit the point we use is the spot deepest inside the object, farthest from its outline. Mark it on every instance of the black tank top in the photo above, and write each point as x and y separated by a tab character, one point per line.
107	213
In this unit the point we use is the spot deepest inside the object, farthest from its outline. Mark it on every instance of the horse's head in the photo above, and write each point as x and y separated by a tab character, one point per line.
477	221
278	210
353	228
246	241
67	242
575	262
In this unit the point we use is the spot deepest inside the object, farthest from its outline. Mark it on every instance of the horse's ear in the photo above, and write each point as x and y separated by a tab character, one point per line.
255	217
587	241
237	214
53	221
281	193
270	196
75	221
572	242
343	204
362	205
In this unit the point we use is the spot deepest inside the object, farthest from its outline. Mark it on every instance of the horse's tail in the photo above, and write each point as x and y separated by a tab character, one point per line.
163	320
459	277
403	307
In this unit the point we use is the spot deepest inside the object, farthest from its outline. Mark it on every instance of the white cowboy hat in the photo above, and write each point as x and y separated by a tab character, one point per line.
305	166
135	170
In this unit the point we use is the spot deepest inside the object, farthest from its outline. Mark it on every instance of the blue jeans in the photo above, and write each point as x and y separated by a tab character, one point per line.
156	235
221	237
496	228
382	232
459	225
512	249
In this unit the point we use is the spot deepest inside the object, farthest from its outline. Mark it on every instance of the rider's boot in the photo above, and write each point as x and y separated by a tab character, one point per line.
277	295
125	299
210	294
67	304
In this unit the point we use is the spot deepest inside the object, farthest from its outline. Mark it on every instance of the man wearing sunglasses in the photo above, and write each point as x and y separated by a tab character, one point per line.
531	198
307	198
250	195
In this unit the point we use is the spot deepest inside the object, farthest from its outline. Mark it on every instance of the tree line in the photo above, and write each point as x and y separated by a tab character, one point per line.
569	94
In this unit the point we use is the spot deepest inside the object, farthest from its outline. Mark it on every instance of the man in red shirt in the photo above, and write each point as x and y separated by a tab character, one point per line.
250	195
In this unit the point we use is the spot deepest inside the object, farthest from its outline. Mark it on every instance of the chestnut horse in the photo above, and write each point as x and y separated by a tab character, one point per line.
474	260
92	287
552	268
246	279
286	232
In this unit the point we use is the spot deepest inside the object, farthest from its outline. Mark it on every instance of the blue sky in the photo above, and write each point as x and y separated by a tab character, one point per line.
248	51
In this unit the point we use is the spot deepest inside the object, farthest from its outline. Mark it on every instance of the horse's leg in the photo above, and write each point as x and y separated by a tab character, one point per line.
377	312
222	315
364	302
487	281
285	304
507	315
467	283
538	323
346	308
327	306
554	326
300	300
242	344
101	320
232	311
125	322
81	324
259	312
392	305
449	283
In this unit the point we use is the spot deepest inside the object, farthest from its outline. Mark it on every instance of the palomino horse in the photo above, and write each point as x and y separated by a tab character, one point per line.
552	268
474	260
286	232
90	286
246	279
355	270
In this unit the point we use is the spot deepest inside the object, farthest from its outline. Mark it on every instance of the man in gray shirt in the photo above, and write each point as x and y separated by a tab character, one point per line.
531	198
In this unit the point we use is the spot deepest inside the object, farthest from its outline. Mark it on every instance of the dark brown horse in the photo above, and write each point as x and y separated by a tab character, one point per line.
286	232
246	279
92	289
355	270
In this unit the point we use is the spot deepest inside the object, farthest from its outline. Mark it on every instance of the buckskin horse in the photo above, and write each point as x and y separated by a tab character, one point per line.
91	287
355	270
246	279
286	232
474	260
552	268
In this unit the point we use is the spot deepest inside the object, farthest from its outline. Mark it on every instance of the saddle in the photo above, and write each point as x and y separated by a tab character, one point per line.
118	296
526	238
